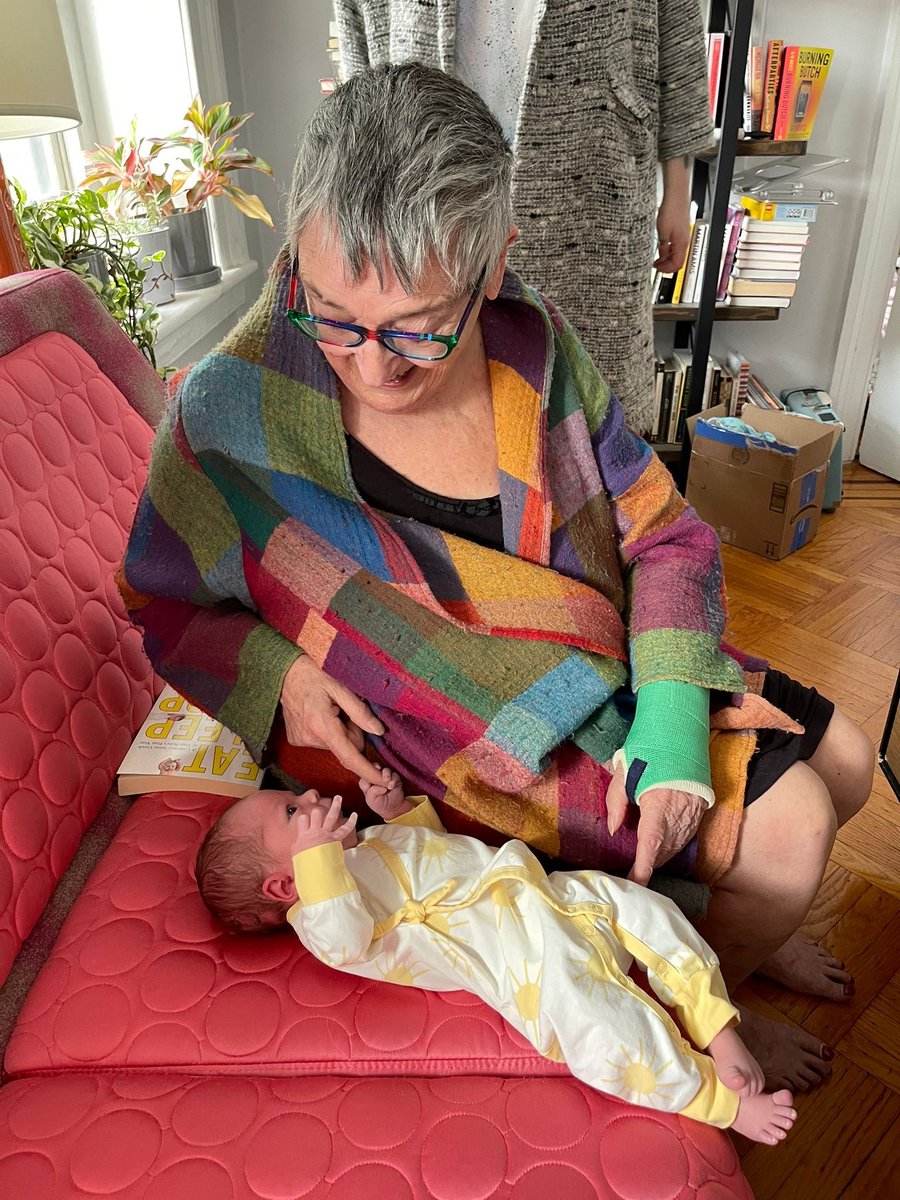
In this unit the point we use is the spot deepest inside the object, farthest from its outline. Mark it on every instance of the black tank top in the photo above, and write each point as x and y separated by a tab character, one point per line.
381	486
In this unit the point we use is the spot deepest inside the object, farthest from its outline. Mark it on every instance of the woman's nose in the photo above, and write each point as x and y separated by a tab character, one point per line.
376	365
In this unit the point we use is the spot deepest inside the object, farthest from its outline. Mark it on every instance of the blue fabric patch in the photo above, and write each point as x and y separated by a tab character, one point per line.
548	712
338	522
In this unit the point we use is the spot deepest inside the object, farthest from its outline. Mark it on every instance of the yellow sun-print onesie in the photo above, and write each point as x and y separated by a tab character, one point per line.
414	905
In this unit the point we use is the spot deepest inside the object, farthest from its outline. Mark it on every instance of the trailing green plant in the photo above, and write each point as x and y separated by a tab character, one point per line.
65	231
209	140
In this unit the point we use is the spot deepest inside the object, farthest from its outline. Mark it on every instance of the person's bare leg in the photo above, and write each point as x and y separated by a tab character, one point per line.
845	762
786	837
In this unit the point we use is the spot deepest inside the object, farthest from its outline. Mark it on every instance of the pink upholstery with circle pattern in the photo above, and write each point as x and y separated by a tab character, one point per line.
165	1137
142	978
73	677
156	1058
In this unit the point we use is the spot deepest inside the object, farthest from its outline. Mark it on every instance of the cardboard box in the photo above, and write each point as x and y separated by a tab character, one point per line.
763	497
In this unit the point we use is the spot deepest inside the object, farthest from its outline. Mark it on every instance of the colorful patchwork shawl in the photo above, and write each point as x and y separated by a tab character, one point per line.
500	676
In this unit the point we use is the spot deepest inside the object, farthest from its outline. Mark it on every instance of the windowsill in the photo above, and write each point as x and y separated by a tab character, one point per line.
192	316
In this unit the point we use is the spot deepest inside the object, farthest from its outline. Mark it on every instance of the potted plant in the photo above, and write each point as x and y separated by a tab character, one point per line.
199	175
74	231
137	195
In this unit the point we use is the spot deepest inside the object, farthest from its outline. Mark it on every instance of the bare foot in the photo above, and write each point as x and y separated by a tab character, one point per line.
735	1065
765	1118
789	1057
803	966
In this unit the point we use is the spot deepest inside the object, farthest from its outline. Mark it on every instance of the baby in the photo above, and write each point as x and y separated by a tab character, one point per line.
407	902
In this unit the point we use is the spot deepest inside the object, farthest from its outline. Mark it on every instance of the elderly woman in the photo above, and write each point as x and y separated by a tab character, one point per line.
400	505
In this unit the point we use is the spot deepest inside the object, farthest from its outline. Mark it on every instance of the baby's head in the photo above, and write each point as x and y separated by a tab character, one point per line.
244	866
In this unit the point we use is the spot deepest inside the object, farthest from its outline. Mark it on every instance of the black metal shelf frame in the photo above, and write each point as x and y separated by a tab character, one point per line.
711	189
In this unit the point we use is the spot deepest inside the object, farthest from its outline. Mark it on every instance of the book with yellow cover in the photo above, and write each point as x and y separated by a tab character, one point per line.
803	74
181	749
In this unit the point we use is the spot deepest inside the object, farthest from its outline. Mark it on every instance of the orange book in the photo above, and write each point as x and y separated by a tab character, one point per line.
803	76
770	88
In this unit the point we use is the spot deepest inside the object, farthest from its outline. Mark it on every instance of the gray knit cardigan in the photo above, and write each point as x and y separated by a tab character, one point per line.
612	86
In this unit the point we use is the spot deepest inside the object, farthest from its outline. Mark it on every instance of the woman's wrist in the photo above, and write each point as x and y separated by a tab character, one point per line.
668	743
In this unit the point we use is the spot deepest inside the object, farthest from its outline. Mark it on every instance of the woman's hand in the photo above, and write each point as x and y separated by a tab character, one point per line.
318	826
667	823
673	221
321	713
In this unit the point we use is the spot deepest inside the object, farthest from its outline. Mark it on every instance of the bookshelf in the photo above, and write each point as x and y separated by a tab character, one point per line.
711	191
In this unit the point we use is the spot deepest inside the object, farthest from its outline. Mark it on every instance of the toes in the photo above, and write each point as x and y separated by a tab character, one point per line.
782	1122
783	1098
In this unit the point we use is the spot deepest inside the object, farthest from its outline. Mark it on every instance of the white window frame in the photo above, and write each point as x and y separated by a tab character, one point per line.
190	319
206	63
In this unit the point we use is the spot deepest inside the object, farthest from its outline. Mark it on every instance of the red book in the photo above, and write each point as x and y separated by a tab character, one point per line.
714	46
770	90
786	93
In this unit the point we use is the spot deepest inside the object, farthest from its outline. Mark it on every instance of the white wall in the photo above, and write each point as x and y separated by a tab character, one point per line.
799	349
275	54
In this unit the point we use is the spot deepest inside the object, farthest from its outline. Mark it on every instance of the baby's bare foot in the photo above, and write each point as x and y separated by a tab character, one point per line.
803	966
765	1118
735	1065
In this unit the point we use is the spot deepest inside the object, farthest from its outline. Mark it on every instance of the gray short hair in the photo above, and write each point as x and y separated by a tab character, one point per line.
408	165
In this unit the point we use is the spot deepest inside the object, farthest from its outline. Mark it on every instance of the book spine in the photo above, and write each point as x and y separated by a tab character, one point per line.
757	88
787	94
715	42
773	67
695	262
737	224
682	381
665	404
679	278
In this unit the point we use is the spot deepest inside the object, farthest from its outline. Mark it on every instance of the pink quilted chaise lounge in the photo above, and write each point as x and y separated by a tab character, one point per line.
150	1056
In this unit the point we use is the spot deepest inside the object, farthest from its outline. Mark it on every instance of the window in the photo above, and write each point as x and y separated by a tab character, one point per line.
129	59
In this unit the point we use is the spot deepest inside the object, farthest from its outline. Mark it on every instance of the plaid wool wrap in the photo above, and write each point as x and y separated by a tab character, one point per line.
499	675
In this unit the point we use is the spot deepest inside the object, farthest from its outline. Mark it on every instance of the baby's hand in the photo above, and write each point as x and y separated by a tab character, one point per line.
386	799
316	827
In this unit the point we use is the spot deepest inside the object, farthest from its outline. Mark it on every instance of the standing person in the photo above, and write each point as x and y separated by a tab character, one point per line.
400	502
593	97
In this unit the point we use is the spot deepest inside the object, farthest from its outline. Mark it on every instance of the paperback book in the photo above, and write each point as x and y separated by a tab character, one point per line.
804	70
180	748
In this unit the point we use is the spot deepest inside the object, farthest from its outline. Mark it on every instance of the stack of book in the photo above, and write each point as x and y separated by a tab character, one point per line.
730	383
327	85
674	380
759	262
783	90
766	263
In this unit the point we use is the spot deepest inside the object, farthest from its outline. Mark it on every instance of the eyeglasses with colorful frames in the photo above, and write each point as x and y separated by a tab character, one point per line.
421	347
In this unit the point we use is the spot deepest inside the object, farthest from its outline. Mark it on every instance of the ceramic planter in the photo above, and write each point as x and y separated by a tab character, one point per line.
159	286
192	258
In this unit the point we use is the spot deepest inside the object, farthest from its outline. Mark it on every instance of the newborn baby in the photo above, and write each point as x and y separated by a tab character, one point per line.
406	902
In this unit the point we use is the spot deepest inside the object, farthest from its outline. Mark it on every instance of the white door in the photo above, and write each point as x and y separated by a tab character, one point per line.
880	445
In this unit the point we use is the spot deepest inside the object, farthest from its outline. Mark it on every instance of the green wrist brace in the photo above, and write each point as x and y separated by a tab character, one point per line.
668	743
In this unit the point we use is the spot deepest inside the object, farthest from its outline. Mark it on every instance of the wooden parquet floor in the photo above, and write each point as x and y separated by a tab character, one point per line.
830	616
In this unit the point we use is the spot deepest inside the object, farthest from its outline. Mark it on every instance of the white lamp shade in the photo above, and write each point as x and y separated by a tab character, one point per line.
36	91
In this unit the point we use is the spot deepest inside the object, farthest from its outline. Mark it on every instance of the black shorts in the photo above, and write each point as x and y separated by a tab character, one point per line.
776	750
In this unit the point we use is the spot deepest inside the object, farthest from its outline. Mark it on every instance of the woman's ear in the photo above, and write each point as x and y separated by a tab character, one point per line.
281	887
494	283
